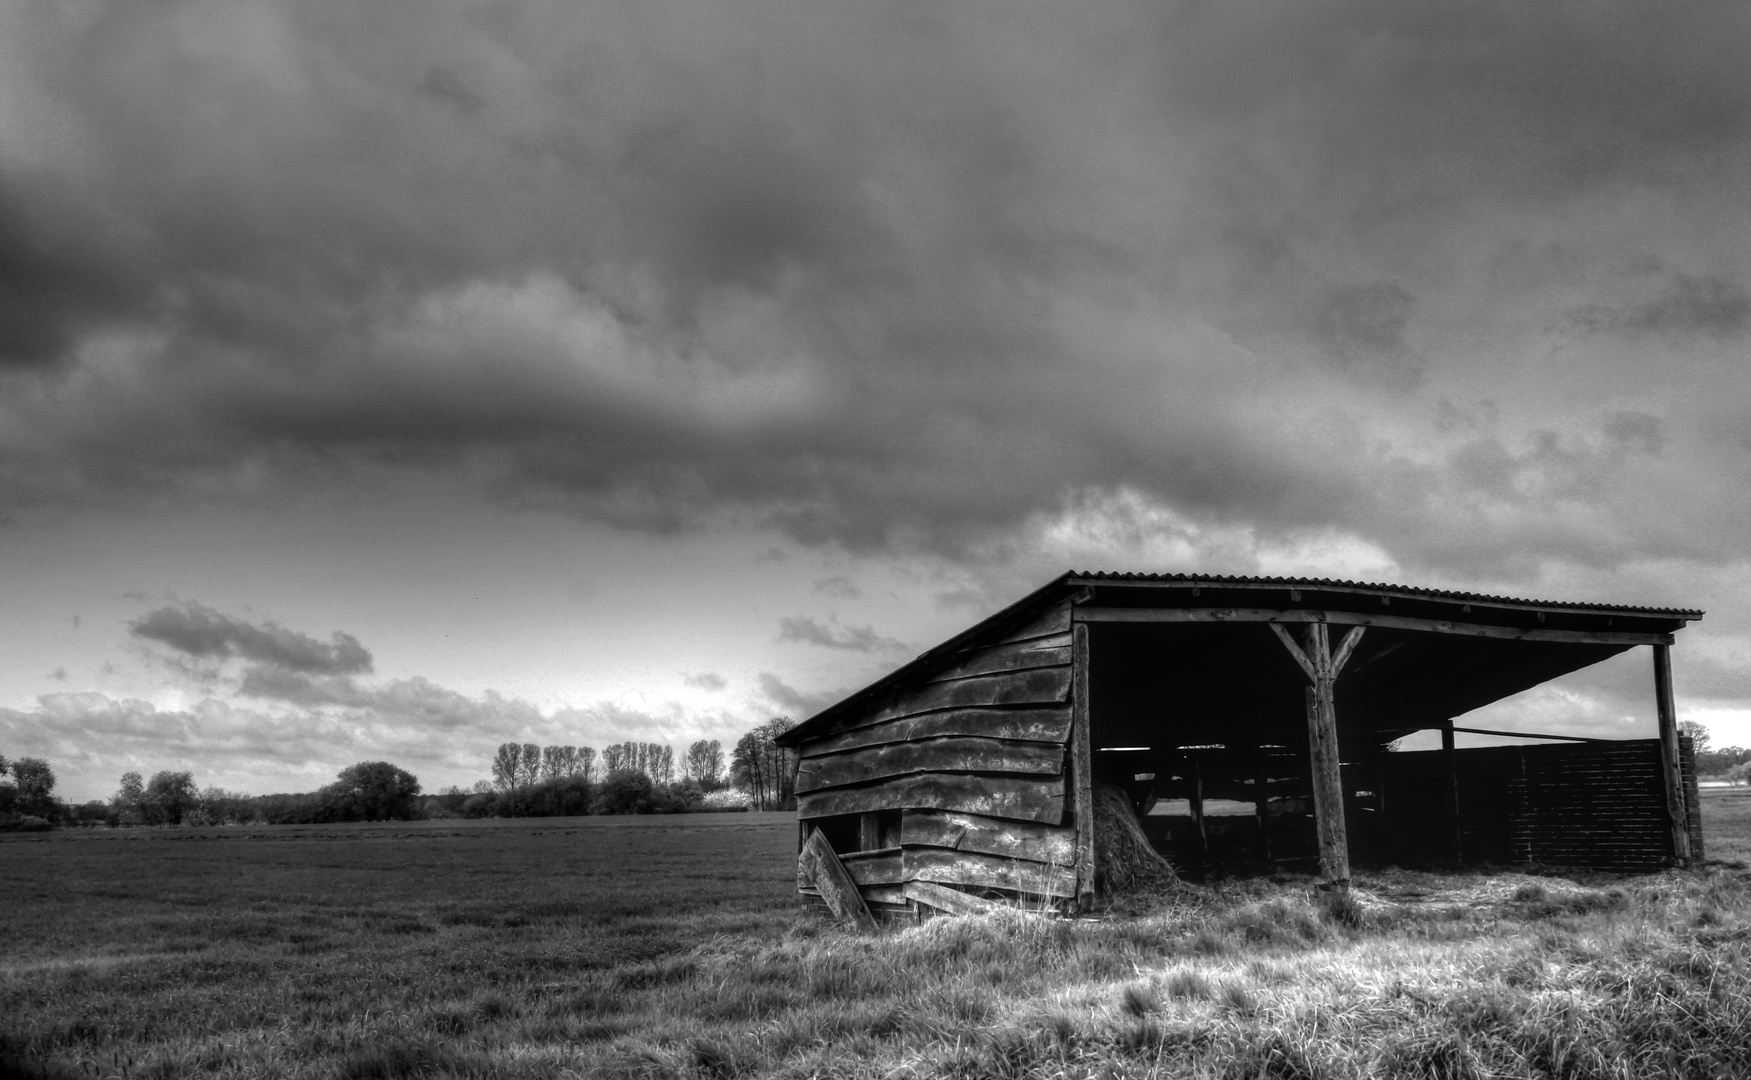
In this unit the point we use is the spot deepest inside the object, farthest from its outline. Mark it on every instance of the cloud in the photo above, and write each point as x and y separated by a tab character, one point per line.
801	705
838	586
200	632
1709	306
883	283
808	631
706	680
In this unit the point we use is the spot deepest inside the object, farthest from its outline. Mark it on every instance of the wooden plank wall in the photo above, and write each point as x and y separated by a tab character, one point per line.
1599	804
973	755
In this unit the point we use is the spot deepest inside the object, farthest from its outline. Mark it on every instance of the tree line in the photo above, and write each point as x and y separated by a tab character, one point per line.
527	780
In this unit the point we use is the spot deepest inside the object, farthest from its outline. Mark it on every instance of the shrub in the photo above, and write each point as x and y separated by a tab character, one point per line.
624	792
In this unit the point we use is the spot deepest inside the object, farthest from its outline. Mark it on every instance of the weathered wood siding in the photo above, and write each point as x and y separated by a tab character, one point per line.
1599	804
972	753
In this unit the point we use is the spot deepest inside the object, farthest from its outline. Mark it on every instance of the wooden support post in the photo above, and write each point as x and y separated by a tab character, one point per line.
1671	763
1316	659
1195	798
1450	765
1082	766
1261	808
869	831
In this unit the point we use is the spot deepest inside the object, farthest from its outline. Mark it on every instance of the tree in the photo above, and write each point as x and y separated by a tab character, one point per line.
529	773
704	762
507	766
36	787
1697	732
558	761
625	792
169	795
587	762
764	769
373	791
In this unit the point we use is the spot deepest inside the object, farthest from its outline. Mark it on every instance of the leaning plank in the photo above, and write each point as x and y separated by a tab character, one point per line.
953	754
989	836
1045	723
883	894
953	901
834	884
988	872
1020	797
1017	656
1042	686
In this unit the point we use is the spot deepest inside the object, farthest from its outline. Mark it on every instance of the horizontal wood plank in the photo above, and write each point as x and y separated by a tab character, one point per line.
883	894
875	867
1053	621
953	901
1041	686
988	872
1018	797
989	836
1043	723
1013	657
951	754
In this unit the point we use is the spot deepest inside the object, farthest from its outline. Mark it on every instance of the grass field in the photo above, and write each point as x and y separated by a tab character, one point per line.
673	946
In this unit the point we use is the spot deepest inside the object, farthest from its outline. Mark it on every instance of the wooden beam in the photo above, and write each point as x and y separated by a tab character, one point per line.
1082	766
869	830
1295	650
1195	803
1262	803
956	753
1671	767
1344	650
835	885
1451	770
1023	798
1040	723
953	901
1356	618
1524	734
1055	844
1326	766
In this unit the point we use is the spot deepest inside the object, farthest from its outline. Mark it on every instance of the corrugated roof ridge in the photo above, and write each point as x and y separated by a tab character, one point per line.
1344	583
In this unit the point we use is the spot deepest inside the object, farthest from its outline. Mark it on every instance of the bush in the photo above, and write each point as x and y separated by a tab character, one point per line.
479	806
23	823
624	792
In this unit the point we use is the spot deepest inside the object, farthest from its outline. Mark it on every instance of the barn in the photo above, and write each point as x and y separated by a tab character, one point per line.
1249	724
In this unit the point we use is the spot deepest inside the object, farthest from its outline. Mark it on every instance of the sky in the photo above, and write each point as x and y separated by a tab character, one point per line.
390	381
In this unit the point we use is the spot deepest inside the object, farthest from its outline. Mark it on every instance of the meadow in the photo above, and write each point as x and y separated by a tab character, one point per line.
674	946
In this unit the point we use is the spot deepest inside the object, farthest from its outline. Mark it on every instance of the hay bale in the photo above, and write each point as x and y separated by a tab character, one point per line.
1124	858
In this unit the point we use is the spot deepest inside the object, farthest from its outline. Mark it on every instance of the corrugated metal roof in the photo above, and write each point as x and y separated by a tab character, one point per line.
1058	587
1382	587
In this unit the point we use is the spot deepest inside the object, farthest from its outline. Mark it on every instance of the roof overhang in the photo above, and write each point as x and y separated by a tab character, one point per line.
1429	654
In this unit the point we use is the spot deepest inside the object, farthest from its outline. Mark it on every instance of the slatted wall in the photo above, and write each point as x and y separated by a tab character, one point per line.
1597	804
959	779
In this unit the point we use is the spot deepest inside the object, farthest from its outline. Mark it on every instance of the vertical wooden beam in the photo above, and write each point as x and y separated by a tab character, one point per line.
1082	765
1195	792
1671	765
1450	764
1261	803
869	831
1323	756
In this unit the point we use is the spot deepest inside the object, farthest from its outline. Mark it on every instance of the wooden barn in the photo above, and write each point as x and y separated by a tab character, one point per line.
1248	723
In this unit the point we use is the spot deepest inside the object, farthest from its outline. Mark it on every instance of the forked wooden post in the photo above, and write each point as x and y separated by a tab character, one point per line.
1671	762
1082	766
1317	660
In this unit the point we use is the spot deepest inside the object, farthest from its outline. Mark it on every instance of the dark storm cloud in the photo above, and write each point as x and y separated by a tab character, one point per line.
798	704
200	632
1711	306
809	631
875	279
